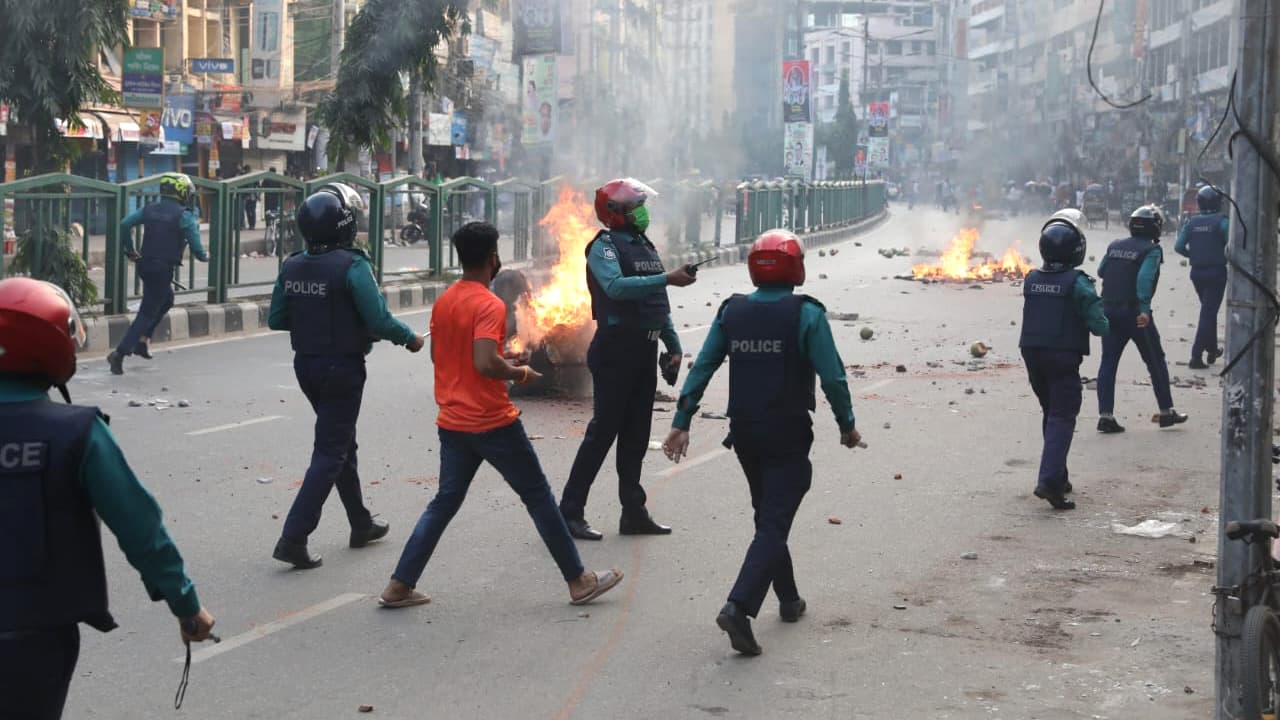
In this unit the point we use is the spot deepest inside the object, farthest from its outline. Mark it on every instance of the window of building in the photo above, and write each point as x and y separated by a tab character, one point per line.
844	50
930	48
830	54
893	47
873	47
813	56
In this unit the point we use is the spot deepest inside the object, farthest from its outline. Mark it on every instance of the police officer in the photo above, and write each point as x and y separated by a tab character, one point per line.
61	470
329	301
1059	310
628	288
168	226
1203	239
776	342
1130	272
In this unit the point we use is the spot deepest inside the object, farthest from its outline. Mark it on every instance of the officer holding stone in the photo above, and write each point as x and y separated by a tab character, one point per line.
629	303
329	301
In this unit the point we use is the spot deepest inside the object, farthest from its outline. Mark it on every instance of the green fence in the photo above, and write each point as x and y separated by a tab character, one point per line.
248	229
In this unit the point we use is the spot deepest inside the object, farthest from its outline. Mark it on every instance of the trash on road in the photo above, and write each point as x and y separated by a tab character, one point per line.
1147	528
707	414
655	445
899	606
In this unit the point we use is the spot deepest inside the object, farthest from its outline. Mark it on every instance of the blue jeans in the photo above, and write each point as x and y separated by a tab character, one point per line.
1055	378
509	451
157	298
1124	327
334	384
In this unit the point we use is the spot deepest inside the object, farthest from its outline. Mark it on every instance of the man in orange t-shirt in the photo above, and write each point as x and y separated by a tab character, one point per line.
478	423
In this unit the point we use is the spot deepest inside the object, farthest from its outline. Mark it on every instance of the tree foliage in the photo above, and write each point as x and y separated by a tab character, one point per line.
842	145
387	38
46	253
48	61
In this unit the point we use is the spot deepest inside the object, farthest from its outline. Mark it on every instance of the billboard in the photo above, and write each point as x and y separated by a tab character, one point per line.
178	118
797	150
878	153
142	84
266	39
795	91
878	119
439	128
540	100
537	26
149	130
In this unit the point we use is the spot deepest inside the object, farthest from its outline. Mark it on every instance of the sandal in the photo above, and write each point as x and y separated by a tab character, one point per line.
412	599
605	581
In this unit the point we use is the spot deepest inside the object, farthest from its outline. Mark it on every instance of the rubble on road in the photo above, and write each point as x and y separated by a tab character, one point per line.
866	333
841	316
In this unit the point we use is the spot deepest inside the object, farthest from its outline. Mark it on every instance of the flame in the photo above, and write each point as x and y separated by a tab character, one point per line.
562	306
515	345
956	262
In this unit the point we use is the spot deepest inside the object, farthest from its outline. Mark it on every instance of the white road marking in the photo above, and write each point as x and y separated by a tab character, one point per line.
875	386
685	465
209	650
234	425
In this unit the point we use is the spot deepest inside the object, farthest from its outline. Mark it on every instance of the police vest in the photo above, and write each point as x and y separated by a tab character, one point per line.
162	237
1120	273
1049	317
635	258
51	569
323	319
769	376
1206	242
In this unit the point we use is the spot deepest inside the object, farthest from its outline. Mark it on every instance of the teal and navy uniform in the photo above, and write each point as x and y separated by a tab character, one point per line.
1059	310
333	309
168	227
1203	240
1130	272
60	471
629	303
777	343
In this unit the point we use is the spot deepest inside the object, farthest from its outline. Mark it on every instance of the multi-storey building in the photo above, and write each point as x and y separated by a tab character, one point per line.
834	53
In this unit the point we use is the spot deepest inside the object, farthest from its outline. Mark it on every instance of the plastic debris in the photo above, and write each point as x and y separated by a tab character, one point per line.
264	480
1147	528
655	445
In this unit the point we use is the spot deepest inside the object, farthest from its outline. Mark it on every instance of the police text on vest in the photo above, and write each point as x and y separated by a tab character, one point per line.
304	287
22	456
755	346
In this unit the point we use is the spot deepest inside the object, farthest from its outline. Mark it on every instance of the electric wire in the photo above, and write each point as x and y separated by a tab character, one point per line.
1097	22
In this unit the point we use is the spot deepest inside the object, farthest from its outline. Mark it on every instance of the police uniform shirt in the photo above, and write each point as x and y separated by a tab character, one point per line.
188	229
603	264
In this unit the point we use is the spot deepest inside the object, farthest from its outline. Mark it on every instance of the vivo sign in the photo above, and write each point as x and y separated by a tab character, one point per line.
178	118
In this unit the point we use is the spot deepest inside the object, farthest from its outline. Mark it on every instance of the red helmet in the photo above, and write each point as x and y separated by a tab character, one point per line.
776	258
40	330
617	198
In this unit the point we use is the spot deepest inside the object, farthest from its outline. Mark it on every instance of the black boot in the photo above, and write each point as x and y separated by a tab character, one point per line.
1214	355
1057	500
116	362
296	555
582	530
1108	425
735	622
1171	417
375	530
1198	364
641	523
791	610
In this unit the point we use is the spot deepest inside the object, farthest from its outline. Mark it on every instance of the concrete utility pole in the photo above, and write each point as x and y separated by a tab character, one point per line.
338	36
1248	391
415	123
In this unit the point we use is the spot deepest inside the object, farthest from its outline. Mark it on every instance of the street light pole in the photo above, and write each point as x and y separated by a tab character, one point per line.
1247	402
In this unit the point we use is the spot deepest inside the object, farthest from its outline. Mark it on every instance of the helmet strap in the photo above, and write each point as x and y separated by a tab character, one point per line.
62	389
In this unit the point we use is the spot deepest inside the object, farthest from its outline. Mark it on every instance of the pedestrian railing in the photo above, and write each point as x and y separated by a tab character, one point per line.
405	225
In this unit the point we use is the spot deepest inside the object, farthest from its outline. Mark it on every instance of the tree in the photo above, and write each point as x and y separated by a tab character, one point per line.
387	38
842	138
48	64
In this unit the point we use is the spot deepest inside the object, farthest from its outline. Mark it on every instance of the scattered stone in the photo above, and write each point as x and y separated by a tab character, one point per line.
275	516
135	403
1183	263
1013	322
897	476
537	437
1187	690
663	397
822	276
979	349
968	391
264	480
835	521
164	389
975	287
899	606
584	614
857	244
842	316
969	556
822	253
184	403
834	251
886	426
689	365
901	368
707	415
708	304
365	708
866	333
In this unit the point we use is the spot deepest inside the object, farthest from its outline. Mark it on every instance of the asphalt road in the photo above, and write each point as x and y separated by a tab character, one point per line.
1057	617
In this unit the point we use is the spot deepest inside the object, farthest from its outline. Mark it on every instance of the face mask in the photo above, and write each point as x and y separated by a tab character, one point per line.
640	218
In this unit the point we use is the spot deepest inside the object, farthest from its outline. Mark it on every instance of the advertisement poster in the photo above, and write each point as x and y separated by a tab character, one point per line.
142	84
439	129
795	91
149	131
878	119
878	153
282	131
458	129
178	118
537	26
228	99
154	9
268	19
860	161
205	124
540	102
797	152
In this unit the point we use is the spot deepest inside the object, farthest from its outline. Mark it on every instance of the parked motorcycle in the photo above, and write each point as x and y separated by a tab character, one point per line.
416	228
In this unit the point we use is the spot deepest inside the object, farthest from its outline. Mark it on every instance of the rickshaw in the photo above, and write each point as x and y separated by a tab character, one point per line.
1095	206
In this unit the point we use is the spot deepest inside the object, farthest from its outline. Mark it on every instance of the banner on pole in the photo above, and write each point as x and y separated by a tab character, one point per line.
795	91
541	103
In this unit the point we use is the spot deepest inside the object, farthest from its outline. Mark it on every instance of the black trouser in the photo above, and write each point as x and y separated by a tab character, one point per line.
334	384
157	298
35	672
1055	379
250	214
1211	284
775	458
624	376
